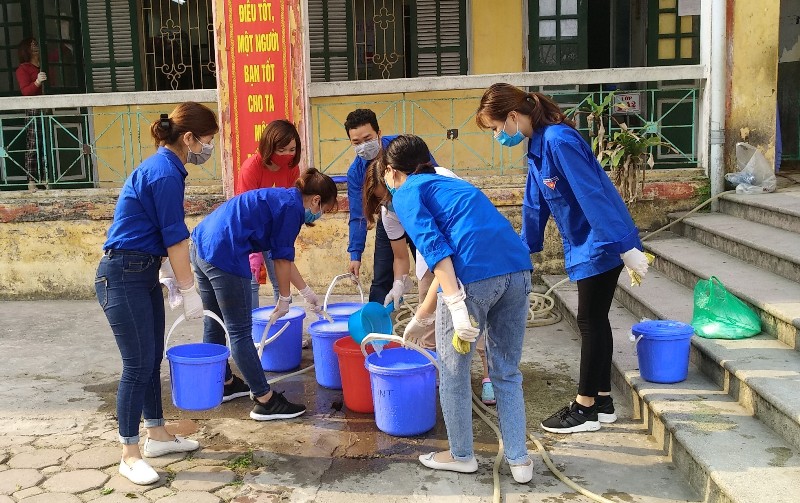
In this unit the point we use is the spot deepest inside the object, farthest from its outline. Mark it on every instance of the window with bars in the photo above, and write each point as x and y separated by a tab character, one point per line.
674	39
384	39
557	34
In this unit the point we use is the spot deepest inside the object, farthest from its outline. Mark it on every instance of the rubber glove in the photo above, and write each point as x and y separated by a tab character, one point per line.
167	278
636	278
256	261
636	261
281	309
400	287
192	304
418	326
311	299
466	329
41	77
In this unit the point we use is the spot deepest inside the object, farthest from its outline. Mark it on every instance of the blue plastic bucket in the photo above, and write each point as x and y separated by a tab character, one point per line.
663	350
372	318
285	352
326	364
341	311
197	375
403	386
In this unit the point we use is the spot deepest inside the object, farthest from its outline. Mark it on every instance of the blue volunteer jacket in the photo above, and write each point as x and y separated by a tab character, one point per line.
565	180
449	217
355	188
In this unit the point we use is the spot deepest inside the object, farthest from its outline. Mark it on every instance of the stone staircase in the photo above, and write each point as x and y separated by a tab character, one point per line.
733	426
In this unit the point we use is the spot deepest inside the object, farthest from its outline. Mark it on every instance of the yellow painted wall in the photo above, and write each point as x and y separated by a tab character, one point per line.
753	65
497	38
123	140
428	115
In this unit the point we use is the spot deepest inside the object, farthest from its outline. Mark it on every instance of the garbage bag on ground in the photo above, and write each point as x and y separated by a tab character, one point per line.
756	175
718	314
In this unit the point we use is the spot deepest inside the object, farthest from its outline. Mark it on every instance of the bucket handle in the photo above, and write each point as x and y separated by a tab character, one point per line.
406	344
182	317
635	341
264	341
336	279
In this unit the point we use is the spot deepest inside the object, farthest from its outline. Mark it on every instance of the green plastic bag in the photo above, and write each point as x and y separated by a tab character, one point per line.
718	314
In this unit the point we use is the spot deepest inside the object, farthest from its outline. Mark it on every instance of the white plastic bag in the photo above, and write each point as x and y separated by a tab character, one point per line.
756	175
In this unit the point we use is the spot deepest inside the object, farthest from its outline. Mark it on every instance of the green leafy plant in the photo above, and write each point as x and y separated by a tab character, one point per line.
628	154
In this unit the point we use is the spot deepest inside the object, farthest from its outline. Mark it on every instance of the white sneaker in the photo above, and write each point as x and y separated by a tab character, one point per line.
470	466
156	448
522	473
140	473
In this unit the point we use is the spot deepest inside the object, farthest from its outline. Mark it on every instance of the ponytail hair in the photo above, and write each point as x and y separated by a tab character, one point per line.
312	182
188	117
408	154
501	99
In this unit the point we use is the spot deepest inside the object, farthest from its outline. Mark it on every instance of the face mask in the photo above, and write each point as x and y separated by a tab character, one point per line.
391	190
507	140
202	156
281	160
310	217
369	149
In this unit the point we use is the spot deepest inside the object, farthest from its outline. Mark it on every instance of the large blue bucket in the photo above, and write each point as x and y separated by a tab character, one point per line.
326	363
403	385
285	352
663	347
197	371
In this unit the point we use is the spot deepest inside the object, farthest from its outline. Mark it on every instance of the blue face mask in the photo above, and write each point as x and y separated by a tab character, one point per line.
310	217
508	140
391	190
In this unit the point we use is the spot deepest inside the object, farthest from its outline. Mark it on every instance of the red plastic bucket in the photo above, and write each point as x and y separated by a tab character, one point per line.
356	386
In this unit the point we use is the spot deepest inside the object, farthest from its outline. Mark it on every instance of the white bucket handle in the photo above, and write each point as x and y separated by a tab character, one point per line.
404	343
336	280
635	341
206	312
264	341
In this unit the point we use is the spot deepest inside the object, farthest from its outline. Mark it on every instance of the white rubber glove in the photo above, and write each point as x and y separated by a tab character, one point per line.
167	278
192	304
636	261
311	299
41	78
400	287
465	328
281	309
418	326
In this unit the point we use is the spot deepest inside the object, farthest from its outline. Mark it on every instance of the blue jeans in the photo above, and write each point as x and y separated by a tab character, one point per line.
383	264
254	286
500	306
228	296
128	290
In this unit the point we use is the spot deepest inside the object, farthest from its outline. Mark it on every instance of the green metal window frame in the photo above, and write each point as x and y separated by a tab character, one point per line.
325	52
112	65
654	11
535	42
8	50
439	49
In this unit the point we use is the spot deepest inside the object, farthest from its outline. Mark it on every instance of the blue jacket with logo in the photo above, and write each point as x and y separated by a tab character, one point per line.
565	180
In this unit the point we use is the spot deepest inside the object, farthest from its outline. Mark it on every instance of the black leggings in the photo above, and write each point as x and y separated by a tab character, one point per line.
597	343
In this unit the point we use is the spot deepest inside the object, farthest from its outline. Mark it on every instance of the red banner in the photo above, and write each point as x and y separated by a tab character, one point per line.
259	72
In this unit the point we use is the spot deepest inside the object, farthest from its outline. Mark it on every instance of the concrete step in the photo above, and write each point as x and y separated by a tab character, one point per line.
762	245
780	209
726	454
761	373
775	298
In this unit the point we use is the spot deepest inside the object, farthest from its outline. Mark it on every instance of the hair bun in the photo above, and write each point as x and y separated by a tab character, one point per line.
164	122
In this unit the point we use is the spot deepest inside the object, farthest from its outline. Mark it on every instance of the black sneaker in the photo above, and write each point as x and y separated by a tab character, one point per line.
236	389
605	409
572	419
278	407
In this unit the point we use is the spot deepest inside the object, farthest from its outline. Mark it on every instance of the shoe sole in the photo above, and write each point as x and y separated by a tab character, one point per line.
587	426
151	454
228	398
606	418
272	417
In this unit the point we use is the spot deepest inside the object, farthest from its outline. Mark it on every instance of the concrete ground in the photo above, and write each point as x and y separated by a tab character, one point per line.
58	432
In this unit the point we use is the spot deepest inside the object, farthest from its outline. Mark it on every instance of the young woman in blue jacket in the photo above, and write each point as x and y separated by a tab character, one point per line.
148	225
485	275
255	221
566	181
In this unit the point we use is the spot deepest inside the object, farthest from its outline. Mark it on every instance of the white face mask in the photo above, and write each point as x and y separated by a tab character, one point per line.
202	156
369	149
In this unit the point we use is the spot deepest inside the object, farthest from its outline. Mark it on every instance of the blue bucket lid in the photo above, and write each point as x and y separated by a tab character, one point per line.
262	314
325	328
662	329
343	309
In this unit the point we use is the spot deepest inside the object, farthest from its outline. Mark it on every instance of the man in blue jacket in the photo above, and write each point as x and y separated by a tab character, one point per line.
365	136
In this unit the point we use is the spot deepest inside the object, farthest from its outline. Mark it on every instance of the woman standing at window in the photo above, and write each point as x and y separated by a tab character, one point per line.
31	79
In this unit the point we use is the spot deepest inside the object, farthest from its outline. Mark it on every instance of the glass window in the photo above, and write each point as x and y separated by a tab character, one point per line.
547	55
569	28
547	7
547	29
666	48
569	7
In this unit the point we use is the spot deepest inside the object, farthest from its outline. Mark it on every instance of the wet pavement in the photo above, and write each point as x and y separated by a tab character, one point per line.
58	432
